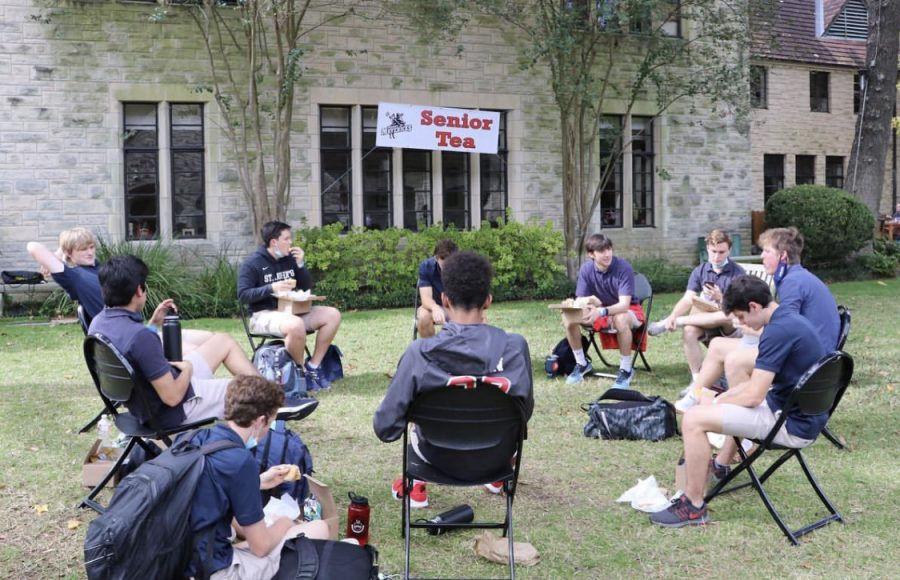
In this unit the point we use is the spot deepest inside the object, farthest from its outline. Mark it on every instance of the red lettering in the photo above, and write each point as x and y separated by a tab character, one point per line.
468	143
429	118
487	124
442	136
440	120
426	117
447	139
475	123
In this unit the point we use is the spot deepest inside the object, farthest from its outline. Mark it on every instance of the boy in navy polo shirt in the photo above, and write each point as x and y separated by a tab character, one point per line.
430	287
229	487
605	288
788	347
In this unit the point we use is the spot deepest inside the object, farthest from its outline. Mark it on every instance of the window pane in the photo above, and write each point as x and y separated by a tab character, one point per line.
416	189
377	175
642	171
188	178
671	18
806	169
494	186
773	175
818	92
141	161
610	149
456	189
834	172
758	88
336	165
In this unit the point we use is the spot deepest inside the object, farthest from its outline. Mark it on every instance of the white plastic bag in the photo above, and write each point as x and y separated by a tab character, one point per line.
284	506
646	496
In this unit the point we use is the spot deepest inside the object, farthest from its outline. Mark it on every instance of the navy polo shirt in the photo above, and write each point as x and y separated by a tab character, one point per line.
430	277
788	347
82	284
228	488
143	349
802	292
705	274
618	280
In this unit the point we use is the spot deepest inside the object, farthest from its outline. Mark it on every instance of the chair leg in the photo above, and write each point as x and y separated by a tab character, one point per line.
88	501
508	532
819	491
592	338
833	438
89	426
406	516
771	507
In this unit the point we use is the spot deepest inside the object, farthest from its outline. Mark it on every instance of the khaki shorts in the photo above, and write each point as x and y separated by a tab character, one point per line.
270	321
209	391
246	566
756	423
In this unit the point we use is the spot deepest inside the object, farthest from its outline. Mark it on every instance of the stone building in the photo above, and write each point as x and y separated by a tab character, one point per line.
102	125
807	82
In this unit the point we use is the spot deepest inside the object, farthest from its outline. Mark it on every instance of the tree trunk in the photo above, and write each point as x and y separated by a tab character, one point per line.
865	172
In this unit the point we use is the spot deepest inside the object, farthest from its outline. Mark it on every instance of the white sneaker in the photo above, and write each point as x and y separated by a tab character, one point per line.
656	328
686	402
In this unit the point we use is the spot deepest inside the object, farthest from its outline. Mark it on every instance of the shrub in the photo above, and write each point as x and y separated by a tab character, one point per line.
663	275
379	268
885	258
833	222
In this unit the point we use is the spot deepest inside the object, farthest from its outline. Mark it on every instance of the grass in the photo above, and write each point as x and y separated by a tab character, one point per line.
566	503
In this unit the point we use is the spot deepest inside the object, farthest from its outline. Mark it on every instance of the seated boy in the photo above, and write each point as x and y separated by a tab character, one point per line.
228	490
431	288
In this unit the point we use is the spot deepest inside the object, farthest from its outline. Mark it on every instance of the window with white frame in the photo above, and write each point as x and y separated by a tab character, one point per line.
428	180
180	183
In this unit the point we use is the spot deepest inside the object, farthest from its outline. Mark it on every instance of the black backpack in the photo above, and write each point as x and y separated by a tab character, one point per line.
306	559
283	446
274	362
562	360
146	531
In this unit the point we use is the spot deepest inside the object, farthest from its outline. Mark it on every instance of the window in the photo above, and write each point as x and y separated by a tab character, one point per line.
639	21
417	202
141	157
642	171
494	189
759	91
377	175
851	22
672	18
834	171
859	91
461	199
818	92
806	169
336	165
773	175
188	177
147	182
456	189
611	196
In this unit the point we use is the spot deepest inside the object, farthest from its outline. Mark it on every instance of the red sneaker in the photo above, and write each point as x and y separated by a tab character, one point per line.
418	497
495	488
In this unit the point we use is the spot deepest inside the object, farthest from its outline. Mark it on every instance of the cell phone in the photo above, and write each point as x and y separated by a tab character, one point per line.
709	285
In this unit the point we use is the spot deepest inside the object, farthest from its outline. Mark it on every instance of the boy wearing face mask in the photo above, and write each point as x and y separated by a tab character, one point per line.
277	266
708	282
228	491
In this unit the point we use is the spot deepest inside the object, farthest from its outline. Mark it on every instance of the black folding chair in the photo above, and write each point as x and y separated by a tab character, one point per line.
643	292
476	432
117	382
257	340
845	317
416	314
85	323
819	390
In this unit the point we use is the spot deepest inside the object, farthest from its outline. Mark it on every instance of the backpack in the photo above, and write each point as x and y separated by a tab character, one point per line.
146	530
332	367
273	361
283	446
16	277
306	559
562	360
634	416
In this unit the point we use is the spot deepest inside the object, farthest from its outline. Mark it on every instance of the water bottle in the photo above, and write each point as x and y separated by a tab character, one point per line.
461	514
171	336
358	518
104	432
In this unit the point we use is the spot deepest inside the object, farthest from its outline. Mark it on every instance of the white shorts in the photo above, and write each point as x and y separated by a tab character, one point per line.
270	321
209	392
756	423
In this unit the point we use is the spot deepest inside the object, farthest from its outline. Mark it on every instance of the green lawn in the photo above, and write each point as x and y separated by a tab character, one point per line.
566	502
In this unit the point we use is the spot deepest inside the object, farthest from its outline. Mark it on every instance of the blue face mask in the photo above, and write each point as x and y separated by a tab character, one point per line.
278	253
251	442
780	272
719	266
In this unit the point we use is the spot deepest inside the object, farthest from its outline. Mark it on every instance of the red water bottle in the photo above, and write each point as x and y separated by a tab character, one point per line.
358	518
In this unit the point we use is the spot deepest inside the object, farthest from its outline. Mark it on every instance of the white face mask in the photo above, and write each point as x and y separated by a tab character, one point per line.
719	266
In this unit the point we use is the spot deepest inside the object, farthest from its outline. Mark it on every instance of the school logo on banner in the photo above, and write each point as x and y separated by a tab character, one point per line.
437	128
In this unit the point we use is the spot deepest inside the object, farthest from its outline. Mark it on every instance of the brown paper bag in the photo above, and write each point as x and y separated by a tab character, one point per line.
496	549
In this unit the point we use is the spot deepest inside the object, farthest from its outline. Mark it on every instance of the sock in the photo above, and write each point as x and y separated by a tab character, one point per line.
717	464
310	364
579	357
626	362
679	322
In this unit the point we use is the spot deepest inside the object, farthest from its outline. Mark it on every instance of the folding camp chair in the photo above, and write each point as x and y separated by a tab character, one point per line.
643	292
116	382
257	340
85	323
476	432
845	317
416	314
819	390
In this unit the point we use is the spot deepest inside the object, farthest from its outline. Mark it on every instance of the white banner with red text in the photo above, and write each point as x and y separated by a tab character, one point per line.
437	128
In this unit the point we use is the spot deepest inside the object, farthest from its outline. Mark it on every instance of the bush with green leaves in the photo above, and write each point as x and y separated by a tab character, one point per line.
884	259
379	268
834	223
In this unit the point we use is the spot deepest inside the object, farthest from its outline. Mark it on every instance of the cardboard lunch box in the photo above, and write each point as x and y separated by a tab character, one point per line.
290	305
571	314
326	500
92	472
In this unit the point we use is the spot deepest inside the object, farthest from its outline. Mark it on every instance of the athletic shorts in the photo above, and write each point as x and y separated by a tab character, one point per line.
755	423
269	321
209	391
246	566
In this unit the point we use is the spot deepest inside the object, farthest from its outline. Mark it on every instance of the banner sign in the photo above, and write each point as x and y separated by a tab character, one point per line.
437	128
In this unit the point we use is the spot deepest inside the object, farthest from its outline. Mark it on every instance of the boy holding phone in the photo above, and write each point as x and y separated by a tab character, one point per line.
698	313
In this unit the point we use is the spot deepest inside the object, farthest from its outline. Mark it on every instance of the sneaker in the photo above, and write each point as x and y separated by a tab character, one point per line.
577	374
294	409
623	379
683	392
656	329
418	497
495	488
717	472
314	379
681	512
686	402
